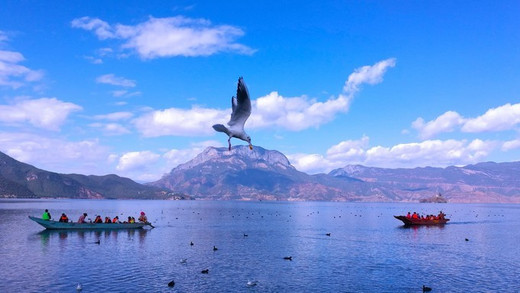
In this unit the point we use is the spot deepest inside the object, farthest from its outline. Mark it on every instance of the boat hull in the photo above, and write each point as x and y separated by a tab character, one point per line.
421	222
55	225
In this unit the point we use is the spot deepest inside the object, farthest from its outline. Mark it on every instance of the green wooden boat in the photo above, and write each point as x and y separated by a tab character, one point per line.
55	225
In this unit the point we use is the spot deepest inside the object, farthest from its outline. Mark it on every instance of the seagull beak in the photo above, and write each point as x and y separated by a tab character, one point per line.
250	146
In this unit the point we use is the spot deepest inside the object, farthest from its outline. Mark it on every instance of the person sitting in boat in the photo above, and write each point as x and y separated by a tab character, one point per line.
46	215
64	218
408	216
82	218
116	220
98	219
131	220
415	215
441	215
143	218
107	220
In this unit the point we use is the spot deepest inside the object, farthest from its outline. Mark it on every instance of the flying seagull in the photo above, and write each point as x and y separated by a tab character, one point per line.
241	109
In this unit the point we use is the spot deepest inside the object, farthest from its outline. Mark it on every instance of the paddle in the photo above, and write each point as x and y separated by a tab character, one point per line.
150	224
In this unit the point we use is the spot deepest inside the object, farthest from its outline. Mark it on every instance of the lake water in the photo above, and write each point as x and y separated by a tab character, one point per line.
368	250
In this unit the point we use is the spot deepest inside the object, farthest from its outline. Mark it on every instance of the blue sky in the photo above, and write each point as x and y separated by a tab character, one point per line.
132	88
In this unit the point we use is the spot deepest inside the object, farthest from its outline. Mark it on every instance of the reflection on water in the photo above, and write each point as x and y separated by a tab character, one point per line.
92	235
417	227
367	250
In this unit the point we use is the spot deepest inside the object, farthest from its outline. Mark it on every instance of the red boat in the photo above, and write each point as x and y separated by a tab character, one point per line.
413	222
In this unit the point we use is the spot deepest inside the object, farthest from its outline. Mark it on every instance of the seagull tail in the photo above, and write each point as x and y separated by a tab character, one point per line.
221	128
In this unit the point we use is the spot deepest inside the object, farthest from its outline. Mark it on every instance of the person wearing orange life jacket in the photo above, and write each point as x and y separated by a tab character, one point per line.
116	220
415	215
64	218
98	219
107	220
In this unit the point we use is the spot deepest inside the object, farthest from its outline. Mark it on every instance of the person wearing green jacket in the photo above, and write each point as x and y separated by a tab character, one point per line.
46	215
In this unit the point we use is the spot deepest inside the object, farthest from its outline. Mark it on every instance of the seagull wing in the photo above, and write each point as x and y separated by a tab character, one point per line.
233	104
241	105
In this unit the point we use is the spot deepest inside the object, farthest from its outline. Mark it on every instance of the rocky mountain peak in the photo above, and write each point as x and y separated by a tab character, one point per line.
242	154
349	170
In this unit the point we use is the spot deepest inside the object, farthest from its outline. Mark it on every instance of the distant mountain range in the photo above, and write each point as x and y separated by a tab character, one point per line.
263	174
20	180
260	174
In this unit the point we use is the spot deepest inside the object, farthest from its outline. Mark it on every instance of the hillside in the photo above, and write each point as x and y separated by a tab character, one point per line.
483	182
18	179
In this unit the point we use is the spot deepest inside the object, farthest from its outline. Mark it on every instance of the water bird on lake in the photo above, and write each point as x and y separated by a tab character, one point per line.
79	287
426	289
215	248
97	242
206	271
245	235
184	260
288	258
466	239
328	234
252	283
171	284
240	111
191	243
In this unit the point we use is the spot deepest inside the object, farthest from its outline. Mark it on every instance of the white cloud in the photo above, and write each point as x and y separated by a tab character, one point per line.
505	117
14	75
3	37
193	122
111	128
115	80
511	145
444	123
45	113
294	114
114	116
167	37
136	160
369	74
102	29
437	153
119	93
84	157
349	150
310	163
300	113
496	119
430	153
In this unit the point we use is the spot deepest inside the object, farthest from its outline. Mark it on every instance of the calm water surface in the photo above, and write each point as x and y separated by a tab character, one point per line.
368	250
